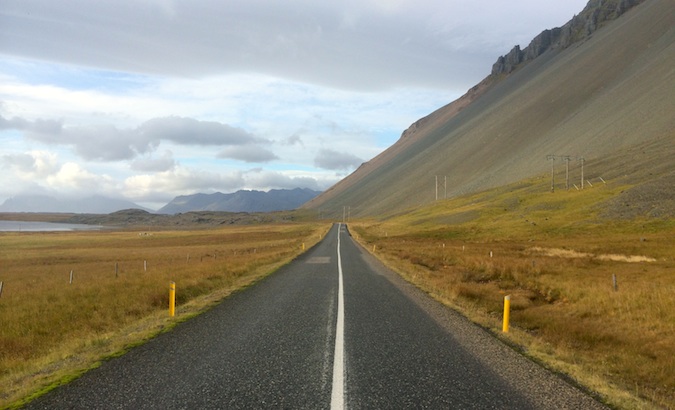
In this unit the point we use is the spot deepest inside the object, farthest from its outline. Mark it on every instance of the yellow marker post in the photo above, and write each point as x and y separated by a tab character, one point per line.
303	246
172	299
507	311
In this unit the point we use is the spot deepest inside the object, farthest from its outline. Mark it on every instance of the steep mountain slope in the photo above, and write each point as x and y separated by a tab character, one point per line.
241	201
604	97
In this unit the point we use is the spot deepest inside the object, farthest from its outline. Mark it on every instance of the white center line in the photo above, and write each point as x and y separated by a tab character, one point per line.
338	396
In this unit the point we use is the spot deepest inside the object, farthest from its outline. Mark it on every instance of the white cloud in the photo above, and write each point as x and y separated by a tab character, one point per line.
164	186
31	165
71	178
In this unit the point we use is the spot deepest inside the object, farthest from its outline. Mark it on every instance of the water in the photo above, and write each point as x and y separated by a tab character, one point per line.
23	226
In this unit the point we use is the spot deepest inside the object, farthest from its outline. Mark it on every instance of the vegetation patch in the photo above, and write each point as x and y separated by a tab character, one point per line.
72	299
591	297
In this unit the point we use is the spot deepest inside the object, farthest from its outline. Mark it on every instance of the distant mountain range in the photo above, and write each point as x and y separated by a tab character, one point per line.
241	201
43	203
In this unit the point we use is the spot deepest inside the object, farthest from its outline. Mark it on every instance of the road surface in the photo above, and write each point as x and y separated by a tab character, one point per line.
334	329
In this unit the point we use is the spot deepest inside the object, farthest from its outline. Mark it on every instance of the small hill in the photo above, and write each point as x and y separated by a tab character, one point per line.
601	88
241	201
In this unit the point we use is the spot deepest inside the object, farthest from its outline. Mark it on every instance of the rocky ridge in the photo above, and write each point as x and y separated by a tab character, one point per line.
595	15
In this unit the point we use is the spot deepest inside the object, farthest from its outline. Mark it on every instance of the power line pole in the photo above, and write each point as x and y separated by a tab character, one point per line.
567	171
582	172
552	159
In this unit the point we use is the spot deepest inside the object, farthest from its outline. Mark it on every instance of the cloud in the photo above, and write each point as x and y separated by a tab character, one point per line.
164	186
38	126
99	142
294	139
353	44
165	162
31	165
248	153
188	131
72	178
107	142
329	159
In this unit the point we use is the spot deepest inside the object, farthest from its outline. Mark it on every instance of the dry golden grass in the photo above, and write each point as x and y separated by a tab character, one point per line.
52	329
565	310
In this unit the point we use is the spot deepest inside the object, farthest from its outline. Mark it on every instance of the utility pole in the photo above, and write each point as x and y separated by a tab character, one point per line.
567	171
445	186
436	187
344	211
582	172
552	159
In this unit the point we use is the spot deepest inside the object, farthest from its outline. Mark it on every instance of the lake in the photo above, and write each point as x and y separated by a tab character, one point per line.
23	226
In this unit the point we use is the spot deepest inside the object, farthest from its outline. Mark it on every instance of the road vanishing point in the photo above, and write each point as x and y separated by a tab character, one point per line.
334	329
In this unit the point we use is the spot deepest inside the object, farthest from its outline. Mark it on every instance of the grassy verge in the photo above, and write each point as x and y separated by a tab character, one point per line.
557	259
53	330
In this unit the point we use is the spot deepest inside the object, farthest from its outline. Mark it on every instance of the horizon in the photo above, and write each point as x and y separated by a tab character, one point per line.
67	201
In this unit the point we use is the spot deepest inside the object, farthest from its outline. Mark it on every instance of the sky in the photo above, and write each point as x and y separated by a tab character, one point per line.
150	99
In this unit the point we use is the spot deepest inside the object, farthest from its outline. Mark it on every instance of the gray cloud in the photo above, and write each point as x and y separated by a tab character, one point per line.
109	143
333	160
294	139
22	162
248	153
188	131
39	125
352	44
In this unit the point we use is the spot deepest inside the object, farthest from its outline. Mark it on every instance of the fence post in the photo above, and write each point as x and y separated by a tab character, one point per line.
172	299
0	288
507	313
615	284
71	277
145	266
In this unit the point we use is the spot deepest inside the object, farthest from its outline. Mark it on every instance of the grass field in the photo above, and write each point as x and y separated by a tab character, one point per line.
556	257
53	329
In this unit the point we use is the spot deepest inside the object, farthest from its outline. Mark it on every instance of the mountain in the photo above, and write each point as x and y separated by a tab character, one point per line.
601	87
43	203
241	201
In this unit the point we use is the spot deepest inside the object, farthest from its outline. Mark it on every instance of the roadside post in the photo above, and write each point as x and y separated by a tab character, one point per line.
507	311
172	299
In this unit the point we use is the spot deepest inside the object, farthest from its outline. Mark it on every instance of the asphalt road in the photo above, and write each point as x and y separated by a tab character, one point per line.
273	345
